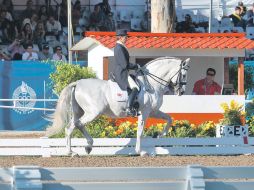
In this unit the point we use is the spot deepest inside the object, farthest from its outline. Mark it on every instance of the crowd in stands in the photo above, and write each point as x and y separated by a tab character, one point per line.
43	28
238	21
40	33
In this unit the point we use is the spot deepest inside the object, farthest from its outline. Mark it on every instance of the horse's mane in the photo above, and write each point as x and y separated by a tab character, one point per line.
160	58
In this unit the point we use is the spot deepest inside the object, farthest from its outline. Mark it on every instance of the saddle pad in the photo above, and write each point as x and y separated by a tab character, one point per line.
116	92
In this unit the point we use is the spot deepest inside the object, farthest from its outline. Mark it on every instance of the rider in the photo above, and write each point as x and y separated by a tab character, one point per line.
122	66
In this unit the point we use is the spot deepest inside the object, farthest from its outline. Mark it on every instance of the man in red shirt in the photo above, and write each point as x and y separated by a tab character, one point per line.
207	86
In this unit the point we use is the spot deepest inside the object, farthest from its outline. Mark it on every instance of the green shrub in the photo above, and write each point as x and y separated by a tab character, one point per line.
181	128
206	129
66	73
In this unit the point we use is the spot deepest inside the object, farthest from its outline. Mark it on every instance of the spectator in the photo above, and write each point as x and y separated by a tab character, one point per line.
39	34
9	5
186	26
236	17
53	27
249	16
3	21
4	56
27	33
16	49
10	32
207	86
58	56
29	54
146	22
110	23
96	19
43	14
29	11
243	8
63	13
6	13
76	14
33	21
3	15
105	7
45	54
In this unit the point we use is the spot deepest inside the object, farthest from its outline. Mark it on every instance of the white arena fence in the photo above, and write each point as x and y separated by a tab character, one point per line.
47	147
28	100
193	177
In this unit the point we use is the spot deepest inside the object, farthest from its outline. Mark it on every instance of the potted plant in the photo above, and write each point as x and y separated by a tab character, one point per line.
233	121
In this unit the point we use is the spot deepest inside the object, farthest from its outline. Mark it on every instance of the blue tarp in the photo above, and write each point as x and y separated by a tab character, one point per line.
25	80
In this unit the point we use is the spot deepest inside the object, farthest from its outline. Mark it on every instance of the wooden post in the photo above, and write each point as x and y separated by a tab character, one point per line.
240	76
226	70
105	68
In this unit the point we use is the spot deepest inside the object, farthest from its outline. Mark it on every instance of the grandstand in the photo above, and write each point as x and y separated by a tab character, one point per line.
132	15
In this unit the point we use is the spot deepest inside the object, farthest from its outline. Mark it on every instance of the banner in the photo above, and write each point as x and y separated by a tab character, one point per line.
25	80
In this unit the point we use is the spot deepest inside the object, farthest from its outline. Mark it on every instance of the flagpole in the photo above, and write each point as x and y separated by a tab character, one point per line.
210	16
69	31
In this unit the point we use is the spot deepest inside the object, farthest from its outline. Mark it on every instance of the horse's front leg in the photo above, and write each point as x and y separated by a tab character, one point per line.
141	124
161	115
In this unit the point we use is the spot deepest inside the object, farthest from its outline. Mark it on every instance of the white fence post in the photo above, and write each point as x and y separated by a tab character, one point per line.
26	178
45	147
195	178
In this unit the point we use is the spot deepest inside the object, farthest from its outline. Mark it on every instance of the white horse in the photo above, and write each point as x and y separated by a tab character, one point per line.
84	100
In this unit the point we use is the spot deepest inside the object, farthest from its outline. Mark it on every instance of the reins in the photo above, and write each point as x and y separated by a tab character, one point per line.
168	83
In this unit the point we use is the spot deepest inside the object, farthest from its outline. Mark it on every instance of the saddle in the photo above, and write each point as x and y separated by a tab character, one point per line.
125	96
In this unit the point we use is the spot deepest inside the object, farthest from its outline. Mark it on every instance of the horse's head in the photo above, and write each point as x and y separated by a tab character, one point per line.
168	73
179	80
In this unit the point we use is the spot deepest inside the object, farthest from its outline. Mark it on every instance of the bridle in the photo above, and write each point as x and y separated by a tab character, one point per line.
169	83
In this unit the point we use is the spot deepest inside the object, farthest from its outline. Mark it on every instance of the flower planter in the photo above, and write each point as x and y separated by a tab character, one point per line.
231	131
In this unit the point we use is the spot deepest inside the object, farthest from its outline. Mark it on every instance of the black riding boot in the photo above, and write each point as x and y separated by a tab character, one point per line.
130	103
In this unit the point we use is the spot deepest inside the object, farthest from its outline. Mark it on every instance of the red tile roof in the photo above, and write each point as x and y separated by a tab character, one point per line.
176	40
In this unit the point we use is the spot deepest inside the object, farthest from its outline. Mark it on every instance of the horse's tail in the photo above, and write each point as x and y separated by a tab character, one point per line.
62	112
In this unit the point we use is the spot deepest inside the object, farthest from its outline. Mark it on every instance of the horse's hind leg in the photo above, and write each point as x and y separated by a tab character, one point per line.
77	112
86	118
68	132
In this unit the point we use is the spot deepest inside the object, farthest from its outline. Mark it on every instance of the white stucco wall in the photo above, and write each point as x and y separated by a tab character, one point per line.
197	103
95	59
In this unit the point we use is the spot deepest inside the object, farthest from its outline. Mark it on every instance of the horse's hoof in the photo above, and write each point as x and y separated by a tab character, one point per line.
161	135
74	155
88	149
144	154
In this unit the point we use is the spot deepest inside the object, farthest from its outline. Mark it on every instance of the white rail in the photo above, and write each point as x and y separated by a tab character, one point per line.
27	108
30	100
192	177
47	147
27	100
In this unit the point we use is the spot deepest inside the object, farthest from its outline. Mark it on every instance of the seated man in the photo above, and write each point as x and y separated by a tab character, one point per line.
53	27
30	54
207	86
186	26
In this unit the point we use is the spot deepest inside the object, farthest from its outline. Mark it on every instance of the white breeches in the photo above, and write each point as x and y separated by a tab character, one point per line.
132	83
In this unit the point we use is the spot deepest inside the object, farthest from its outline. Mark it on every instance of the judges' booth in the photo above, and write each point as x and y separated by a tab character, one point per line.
204	50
